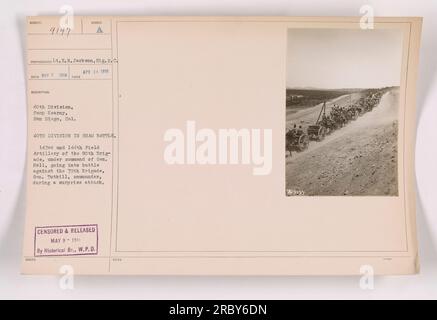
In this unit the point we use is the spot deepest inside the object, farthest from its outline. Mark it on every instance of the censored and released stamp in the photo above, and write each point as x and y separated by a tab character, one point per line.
68	240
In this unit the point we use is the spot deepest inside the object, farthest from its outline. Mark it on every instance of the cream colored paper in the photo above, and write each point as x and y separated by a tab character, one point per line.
102	94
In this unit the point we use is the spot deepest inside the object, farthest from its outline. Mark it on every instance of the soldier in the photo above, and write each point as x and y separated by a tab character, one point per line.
299	131
324	121
293	131
289	136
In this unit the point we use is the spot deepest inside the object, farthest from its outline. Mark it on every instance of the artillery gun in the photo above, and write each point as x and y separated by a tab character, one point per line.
296	140
319	130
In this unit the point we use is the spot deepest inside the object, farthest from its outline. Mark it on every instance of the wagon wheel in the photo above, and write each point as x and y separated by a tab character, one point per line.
303	142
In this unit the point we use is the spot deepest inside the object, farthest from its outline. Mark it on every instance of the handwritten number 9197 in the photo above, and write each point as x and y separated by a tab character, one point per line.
60	31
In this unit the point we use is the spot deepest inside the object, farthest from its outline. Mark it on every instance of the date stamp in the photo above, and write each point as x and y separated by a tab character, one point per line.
68	240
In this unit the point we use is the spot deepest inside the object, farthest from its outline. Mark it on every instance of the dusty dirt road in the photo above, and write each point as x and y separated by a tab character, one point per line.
359	159
309	116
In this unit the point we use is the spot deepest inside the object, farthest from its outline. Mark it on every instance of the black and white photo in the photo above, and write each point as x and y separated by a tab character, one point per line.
342	112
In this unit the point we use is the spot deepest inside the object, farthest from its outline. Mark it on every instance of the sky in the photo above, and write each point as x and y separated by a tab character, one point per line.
343	58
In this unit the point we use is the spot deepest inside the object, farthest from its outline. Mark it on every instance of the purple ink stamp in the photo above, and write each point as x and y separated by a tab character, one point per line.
68	240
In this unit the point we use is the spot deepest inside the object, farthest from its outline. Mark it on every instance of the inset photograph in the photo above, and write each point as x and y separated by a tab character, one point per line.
342	111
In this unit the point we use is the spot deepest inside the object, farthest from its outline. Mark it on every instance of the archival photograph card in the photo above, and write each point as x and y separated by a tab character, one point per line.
221	145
